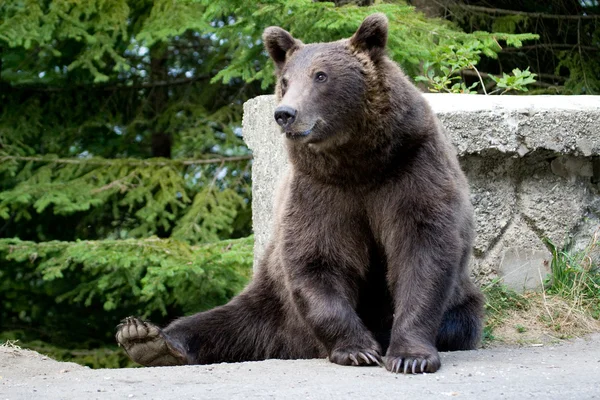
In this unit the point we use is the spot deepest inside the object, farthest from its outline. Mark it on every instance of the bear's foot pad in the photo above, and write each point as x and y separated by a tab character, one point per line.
355	356
146	344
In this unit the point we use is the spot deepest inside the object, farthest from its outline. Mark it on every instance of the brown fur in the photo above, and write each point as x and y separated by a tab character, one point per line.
373	224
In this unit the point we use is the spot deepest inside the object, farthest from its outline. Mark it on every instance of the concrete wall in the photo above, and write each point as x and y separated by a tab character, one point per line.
532	163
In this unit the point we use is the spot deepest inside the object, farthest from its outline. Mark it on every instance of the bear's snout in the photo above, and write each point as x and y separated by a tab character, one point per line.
285	116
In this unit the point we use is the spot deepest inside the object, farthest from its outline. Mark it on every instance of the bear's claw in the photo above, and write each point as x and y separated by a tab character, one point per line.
410	365
356	357
146	344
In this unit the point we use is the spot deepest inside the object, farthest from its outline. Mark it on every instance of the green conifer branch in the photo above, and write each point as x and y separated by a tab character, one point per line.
158	272
148	162
143	197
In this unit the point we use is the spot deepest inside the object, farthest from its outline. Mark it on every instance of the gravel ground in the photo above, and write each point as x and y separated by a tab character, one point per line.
570	370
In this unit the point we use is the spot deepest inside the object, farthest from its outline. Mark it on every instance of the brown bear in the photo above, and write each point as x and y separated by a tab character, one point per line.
368	259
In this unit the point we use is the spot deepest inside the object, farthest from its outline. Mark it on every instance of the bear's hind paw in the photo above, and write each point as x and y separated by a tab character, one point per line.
146	344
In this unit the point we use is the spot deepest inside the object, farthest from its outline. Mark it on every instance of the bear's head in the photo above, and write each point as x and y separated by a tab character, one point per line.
326	91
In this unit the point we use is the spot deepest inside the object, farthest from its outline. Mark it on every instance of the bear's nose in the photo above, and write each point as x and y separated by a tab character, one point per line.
285	116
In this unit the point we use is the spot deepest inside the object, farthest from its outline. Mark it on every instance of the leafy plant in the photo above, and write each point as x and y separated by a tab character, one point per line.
444	74
517	81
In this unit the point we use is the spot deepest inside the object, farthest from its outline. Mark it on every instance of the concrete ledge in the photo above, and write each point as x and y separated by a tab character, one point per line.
532	163
568	125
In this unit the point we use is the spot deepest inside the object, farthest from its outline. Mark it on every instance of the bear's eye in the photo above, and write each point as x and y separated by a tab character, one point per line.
284	84
320	76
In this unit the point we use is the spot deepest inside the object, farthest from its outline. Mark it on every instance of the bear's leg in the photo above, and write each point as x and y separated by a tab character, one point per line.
422	273
326	300
252	326
462	324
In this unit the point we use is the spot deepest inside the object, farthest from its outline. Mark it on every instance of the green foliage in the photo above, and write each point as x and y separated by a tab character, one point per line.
566	54
32	23
508	23
583	71
443	74
413	39
517	81
236	27
83	289
575	275
142	197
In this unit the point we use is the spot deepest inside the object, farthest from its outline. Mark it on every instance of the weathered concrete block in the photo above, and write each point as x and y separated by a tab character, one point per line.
523	269
494	197
532	163
553	205
262	136
571	167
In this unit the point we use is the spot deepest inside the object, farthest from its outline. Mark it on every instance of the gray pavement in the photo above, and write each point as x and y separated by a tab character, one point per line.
569	370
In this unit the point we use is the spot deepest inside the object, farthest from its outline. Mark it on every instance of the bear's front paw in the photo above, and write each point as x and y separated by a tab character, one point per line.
412	363
356	356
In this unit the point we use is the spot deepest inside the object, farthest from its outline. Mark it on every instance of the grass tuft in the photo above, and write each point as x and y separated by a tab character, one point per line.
568	305
575	275
11	344
500	301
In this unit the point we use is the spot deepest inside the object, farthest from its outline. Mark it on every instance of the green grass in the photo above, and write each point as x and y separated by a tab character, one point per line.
520	328
499	300
575	275
568	305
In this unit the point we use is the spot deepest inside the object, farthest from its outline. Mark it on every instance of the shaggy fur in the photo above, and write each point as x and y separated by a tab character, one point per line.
368	260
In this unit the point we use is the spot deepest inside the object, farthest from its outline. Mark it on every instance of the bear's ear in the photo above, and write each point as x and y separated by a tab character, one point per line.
279	43
372	35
